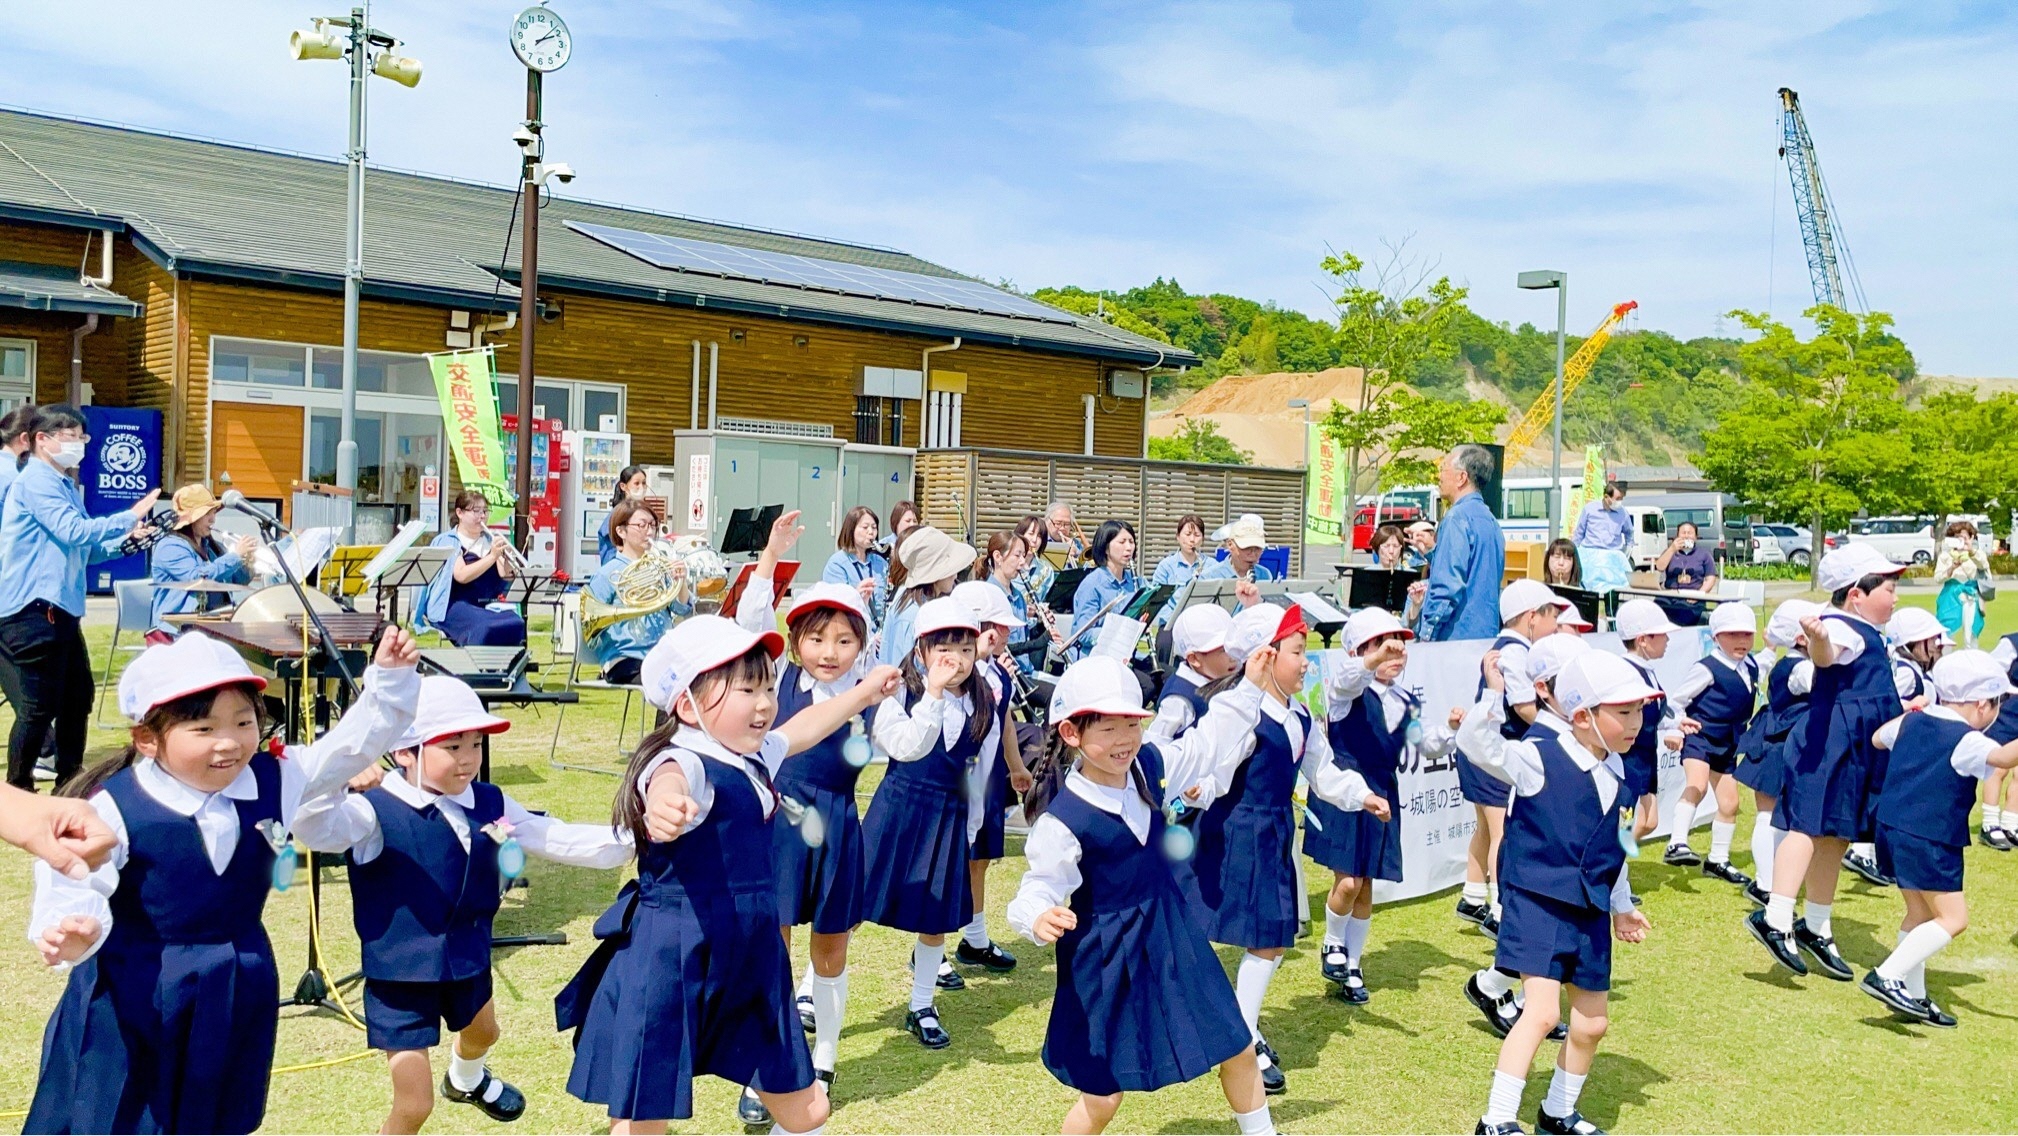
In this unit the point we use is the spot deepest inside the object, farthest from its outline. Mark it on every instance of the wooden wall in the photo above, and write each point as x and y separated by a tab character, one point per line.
106	351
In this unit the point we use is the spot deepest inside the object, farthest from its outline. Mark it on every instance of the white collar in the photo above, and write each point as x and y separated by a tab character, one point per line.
1846	613
1190	674
1940	711
1730	663
1099	796
693	739
1516	636
185	799
1279	711
1548	719
421	798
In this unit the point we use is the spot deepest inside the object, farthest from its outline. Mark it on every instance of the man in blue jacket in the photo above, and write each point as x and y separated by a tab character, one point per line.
1470	556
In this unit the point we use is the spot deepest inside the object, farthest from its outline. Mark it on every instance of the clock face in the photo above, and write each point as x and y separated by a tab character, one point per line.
541	40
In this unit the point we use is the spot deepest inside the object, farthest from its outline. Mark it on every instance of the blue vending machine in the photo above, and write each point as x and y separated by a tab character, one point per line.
121	465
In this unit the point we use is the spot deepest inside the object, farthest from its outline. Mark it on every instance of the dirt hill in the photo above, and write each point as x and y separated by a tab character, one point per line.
1253	411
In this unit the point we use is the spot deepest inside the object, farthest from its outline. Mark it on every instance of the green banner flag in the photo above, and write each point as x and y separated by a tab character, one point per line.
468	391
1323	497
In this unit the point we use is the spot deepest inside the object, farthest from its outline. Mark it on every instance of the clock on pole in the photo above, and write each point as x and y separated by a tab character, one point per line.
541	40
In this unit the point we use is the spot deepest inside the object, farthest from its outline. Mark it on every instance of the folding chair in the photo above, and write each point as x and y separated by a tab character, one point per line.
135	601
586	657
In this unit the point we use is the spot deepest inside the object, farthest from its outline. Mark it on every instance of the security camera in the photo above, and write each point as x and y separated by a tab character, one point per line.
525	139
559	171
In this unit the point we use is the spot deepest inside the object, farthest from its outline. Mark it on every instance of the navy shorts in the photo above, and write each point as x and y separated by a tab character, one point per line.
1919	864
1548	938
409	1015
1720	760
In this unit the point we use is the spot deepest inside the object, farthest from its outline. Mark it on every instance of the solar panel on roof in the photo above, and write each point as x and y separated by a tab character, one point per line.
708	258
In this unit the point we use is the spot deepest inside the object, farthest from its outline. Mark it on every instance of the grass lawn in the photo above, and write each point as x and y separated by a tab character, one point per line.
1705	1035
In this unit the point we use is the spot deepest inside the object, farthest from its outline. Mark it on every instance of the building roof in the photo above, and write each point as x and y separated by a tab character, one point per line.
46	288
223	210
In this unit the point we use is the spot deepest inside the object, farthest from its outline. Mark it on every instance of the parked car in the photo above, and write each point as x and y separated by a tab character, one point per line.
1650	534
1782	544
1903	540
1364	523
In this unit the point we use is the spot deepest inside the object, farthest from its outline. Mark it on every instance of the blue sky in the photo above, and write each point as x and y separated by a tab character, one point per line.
1227	145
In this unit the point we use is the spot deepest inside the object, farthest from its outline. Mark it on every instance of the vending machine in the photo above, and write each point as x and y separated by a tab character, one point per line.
545	507
594	459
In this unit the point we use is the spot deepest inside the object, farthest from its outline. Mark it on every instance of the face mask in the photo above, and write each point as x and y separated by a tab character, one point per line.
69	454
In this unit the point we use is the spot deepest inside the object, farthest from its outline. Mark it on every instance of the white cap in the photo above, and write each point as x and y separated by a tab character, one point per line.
1571	617
448	707
840	597
1370	623
945	614
1785	624
1254	628
1597	678
1097	684
1914	624
1523	596
1422	526
1200	629
1970	676
1641	617
695	646
1850	563
167	671
1551	653
1247	532
1734	617
989	603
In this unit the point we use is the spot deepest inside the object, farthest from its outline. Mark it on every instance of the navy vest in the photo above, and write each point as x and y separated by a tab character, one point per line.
1646	744
1923	794
1562	842
1868	679
1116	872
822	766
1514	728
2004	730
1267	778
1176	687
423	907
728	854
1726	707
1916	678
1785	710
1362	741
168	892
942	770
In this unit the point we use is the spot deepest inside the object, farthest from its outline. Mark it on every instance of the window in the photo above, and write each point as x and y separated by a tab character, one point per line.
17	373
879	421
1527	504
579	405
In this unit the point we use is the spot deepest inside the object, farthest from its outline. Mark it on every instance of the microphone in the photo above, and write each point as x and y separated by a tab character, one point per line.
233	499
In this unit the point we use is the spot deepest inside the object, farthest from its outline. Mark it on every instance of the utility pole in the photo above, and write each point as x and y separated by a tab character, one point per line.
529	282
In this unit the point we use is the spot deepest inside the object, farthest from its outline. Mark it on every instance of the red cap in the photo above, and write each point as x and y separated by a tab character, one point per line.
1292	624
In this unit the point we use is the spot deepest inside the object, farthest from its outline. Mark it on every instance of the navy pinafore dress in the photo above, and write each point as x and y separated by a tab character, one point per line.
821	886
1358	843
690	976
1479	787
914	841
1834	773
1248	876
991	842
1772	733
1643	758
1142	1000
170	1026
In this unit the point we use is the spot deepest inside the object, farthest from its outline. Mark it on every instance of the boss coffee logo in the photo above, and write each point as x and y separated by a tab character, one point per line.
122	463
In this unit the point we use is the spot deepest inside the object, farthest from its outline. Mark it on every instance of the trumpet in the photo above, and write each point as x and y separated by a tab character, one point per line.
507	552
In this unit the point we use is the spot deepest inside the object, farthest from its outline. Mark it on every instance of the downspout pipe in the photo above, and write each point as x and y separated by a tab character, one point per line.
714	363
925	378
74	395
694	402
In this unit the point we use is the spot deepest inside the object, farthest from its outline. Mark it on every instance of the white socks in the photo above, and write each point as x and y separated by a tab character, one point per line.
466	1073
925	973
806	984
2010	820
1504	1104
1563	1090
1765	841
1720	850
1355	938
1865	852
1334	926
1250	986
1474	893
976	932
1685	815
1780	913
830	1004
1494	984
781	1130
1256	1123
1919	945
1816	916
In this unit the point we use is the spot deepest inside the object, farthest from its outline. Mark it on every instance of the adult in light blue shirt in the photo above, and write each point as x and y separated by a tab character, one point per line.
1180	567
631	485
1247	540
930	562
856	563
1604	524
13	445
46	540
623	645
190	553
1112	578
1462	601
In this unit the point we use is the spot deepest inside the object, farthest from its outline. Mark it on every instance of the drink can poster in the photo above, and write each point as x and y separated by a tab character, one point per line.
121	465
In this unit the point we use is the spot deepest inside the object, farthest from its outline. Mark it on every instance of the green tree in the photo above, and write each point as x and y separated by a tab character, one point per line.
1966	460
1199	440
1391	322
1403	434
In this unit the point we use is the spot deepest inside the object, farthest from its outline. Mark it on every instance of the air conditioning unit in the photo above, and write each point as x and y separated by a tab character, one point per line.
1126	384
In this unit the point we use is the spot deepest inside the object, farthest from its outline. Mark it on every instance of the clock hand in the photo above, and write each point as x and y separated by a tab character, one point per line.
546	37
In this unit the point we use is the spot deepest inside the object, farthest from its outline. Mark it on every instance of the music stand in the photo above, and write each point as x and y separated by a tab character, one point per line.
1323	618
1064	588
343	575
1589	604
414	568
1220	592
749	529
1149	600
1384	588
781	579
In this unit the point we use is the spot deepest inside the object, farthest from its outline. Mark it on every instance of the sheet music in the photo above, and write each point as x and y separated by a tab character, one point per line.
1117	638
400	542
305	552
1316	608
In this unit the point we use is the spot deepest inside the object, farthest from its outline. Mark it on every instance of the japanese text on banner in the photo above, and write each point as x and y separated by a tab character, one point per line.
1323	502
468	394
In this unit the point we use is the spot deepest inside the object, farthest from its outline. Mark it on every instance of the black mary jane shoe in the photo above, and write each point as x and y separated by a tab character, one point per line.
1489	926
1572	1125
1892	993
1273	1082
1511	1128
1475	911
924	1025
1779	943
1995	837
1822	948
1758	895
751	1111
1867	868
1353	990
1936	1016
509	1105
825	1077
808	1020
1500	1013
990	958
947	978
1722	870
1680	856
1331	964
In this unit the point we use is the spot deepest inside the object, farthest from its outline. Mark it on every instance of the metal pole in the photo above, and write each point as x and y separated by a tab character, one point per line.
1556	462
353	254
529	276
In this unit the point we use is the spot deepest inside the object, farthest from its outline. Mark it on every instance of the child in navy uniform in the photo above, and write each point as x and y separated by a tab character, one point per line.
1719	693
1142	1001
691	975
1937	755
1763	768
1917	640
1249	878
168	1021
1528	610
1198	640
1566	891
1644	629
2000	825
996	773
427	854
1833	770
1371	720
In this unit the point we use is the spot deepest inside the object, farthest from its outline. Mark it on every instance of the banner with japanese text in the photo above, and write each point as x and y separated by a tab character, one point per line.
1323	489
1591	488
468	392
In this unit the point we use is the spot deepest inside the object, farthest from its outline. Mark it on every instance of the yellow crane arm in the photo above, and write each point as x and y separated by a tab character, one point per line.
1578	368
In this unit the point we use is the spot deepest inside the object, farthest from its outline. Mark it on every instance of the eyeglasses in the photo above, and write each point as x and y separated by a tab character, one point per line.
644	526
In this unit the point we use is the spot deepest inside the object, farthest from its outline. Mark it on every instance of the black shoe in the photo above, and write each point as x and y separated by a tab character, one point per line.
509	1105
924	1025
1509	1129
807	1020
1475	911
1995	838
1273	1083
1331	964
1780	943
1636	899
1572	1125
1489	926
1353	990
1892	993
1936	1016
1758	895
1867	868
948	978
1722	870
751	1111
1500	1013
1681	856
1823	949
825	1077
990	958
1561	1032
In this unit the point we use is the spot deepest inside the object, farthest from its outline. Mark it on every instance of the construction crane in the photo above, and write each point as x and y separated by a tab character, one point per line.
1578	368
1821	233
